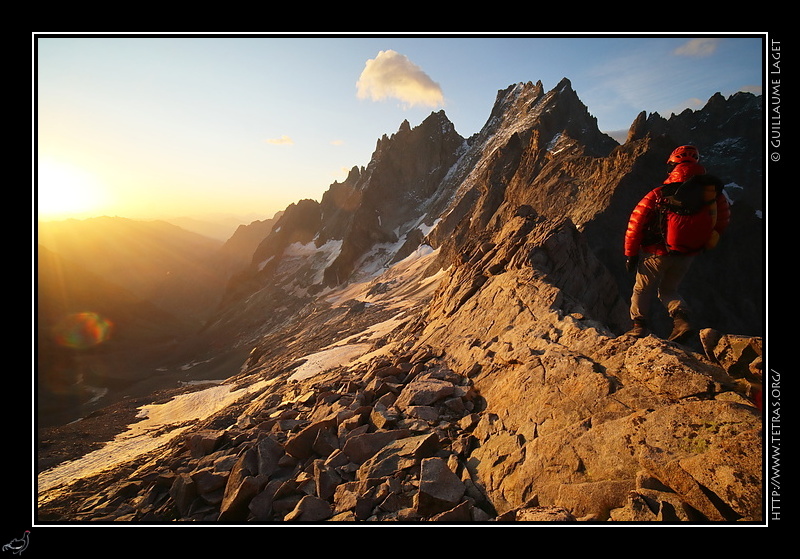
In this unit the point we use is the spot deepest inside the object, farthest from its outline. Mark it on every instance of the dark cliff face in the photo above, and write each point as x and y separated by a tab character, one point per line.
729	136
726	285
562	167
543	151
380	204
299	224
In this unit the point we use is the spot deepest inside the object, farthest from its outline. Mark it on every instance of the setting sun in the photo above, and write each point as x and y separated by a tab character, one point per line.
64	191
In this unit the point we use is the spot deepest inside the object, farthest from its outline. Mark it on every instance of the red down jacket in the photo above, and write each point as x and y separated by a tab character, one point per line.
686	234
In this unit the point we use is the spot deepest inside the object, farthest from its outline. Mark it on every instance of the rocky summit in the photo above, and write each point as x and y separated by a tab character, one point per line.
441	339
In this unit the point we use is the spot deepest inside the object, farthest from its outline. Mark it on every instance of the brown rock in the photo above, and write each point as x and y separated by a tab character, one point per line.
269	453
439	488
301	444
381	417
207	480
398	455
360	448
240	488
326	479
310	509
544	514
424	391
458	514
204	442
669	472
183	492
730	468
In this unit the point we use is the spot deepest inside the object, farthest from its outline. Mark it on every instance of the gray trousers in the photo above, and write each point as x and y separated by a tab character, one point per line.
659	275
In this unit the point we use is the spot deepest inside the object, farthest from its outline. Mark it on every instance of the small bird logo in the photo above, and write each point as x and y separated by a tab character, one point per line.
18	545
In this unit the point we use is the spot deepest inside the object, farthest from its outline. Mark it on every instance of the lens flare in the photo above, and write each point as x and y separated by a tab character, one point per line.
82	330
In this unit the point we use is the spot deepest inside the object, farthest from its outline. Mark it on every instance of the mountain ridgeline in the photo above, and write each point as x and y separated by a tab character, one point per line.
541	151
484	281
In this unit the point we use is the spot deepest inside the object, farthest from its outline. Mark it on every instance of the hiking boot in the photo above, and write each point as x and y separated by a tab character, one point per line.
639	329
681	328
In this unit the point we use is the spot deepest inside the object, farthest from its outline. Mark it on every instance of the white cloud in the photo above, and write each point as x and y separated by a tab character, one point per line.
693	103
393	75
283	140
697	47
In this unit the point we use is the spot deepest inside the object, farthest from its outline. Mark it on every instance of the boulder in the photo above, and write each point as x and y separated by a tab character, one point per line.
398	455
240	488
360	448
301	444
424	390
440	489
310	509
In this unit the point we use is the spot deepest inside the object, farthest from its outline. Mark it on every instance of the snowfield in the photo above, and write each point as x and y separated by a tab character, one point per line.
142	437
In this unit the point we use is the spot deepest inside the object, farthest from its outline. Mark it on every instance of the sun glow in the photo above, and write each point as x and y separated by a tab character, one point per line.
64	191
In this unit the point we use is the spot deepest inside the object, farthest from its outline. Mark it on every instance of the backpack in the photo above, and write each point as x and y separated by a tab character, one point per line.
685	219
688	198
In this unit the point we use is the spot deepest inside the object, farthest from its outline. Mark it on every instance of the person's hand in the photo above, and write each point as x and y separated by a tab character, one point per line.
712	242
631	262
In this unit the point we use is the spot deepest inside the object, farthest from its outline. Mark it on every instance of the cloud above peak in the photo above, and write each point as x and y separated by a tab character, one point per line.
391	75
698	47
282	141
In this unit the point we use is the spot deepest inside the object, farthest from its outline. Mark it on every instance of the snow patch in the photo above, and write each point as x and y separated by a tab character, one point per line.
328	359
403	276
263	264
375	331
161	423
426	229
346	352
309	259
552	145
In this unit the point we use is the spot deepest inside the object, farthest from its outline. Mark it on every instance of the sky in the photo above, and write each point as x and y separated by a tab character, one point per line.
160	126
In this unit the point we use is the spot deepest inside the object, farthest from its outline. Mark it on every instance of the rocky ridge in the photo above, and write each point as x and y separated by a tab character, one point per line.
503	390
606	428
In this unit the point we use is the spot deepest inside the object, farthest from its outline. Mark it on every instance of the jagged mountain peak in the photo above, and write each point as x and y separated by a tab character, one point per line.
428	185
556	114
727	131
519	94
434	125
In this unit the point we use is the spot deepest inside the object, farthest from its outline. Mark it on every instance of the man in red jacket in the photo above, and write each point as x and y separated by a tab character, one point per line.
665	232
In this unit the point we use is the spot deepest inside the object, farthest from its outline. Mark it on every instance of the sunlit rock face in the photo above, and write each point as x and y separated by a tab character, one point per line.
440	338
